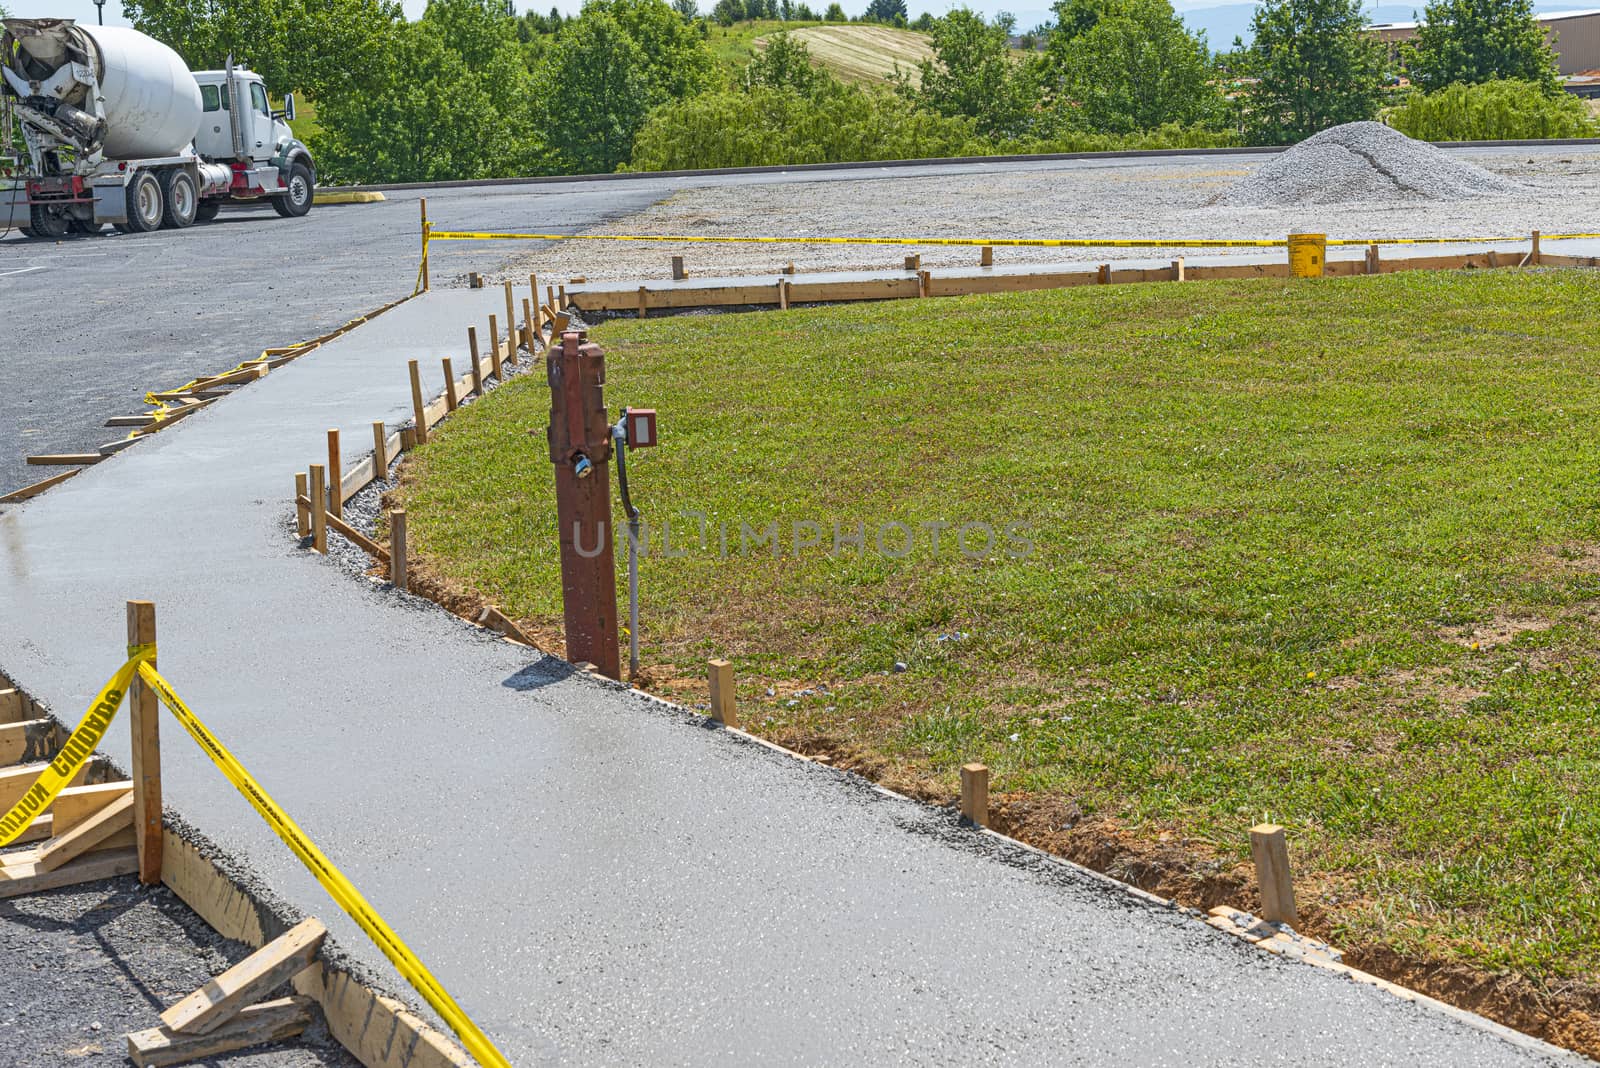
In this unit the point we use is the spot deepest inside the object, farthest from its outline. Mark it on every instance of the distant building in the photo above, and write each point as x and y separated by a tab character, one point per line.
1575	35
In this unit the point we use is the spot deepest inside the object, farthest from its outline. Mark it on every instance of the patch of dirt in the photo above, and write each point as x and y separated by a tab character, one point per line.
1496	632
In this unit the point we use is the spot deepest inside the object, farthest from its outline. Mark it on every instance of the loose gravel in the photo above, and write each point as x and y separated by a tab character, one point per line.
1364	162
1161	198
82	966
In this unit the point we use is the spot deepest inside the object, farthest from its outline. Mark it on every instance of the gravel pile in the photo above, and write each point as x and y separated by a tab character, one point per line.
1364	161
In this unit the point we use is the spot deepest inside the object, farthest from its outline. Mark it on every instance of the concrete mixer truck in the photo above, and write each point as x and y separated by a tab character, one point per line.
117	130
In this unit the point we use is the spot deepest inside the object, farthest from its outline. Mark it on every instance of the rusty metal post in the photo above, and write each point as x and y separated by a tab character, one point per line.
580	448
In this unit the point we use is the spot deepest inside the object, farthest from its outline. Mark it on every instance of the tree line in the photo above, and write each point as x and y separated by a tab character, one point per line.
472	89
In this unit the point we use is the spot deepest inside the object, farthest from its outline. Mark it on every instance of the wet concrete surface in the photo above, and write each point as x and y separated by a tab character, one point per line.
598	878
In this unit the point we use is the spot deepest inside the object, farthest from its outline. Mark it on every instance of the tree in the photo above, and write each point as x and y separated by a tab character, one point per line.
803	13
689	9
1135	68
676	60
1472	41
1316	69
886	11
424	115
1492	111
973	74
596	88
784	63
727	12
835	13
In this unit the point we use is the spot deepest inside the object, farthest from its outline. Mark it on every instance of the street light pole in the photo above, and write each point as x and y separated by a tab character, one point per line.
100	10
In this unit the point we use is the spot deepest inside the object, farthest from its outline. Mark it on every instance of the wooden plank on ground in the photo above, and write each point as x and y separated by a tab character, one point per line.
17	879
89	833
263	971
16	781
15	706
64	458
271	1021
77	803
29	741
29	492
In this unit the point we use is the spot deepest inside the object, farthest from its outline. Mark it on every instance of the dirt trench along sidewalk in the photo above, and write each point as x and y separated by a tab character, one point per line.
598	878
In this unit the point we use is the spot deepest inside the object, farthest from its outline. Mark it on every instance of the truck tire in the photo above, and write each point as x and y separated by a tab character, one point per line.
207	210
146	205
182	199
47	224
302	188
86	227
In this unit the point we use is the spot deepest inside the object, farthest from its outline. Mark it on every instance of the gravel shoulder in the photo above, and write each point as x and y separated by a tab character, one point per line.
81	967
1167	198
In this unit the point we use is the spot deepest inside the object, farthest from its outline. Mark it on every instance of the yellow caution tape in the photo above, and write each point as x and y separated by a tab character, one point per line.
996	242
80	746
344	894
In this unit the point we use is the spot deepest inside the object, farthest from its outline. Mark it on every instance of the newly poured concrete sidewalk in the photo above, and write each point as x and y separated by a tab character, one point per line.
596	878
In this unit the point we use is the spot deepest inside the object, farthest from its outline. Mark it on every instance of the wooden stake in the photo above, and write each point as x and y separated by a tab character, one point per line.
398	560
450	400
477	365
975	793
678	273
319	515
1103	274
418	410
424	206
1374	265
380	451
533	289
472	346
221	998
144	723
986	256
511	318
302	514
723	709
644	301
1177	269
1494	258
1271	853
561	296
335	476
783	294
550	297
495	367
913	263
924	283
1533	252
530	328
788	268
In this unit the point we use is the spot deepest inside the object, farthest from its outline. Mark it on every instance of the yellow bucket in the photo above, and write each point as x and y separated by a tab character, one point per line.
1307	253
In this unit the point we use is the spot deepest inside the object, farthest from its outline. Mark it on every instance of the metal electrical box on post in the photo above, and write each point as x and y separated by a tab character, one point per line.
580	448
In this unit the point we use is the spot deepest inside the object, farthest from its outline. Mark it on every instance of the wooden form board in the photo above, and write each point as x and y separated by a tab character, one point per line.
18	780
256	1025
20	875
895	285
31	740
221	998
378	1031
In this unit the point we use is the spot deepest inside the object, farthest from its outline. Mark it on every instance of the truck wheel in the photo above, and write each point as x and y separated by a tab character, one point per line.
87	227
182	200
297	201
42	222
146	205
207	210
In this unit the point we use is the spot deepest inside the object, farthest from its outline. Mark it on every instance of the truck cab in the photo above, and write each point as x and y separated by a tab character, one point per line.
240	124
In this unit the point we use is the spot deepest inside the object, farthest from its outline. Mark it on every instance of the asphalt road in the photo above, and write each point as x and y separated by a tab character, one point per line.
595	877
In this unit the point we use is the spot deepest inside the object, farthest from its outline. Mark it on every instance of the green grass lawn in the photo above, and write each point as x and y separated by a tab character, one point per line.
1326	553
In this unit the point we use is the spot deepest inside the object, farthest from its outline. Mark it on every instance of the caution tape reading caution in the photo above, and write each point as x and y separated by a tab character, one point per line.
995	242
80	746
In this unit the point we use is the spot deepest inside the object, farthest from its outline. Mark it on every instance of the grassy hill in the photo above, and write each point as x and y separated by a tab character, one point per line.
854	53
